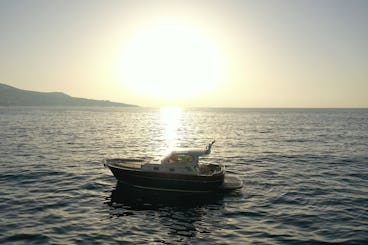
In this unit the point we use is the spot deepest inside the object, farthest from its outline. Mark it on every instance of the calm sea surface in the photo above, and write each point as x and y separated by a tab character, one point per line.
305	175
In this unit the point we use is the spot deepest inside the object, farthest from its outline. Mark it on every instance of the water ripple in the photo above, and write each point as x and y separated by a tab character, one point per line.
304	174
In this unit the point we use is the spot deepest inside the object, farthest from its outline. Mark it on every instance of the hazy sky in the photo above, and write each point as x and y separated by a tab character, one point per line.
293	53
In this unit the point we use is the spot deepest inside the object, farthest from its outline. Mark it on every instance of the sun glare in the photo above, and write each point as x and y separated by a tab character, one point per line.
172	61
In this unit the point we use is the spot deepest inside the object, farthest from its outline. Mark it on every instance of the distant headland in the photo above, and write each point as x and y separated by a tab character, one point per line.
11	96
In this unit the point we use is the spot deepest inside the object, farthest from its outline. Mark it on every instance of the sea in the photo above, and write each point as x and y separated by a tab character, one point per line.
304	173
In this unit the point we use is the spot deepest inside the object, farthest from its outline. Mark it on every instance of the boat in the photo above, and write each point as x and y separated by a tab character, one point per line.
179	171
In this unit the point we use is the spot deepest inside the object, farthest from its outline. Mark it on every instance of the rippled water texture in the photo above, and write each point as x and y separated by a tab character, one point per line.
304	172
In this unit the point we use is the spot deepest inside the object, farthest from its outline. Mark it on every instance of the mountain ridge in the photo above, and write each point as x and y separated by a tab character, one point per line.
11	96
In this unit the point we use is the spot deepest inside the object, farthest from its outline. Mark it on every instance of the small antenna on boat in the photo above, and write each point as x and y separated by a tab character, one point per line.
208	148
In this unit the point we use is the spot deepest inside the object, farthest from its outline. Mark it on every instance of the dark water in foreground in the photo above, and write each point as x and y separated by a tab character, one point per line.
305	175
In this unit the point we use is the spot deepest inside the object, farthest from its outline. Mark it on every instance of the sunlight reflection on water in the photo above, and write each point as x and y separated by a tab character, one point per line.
304	173
170	118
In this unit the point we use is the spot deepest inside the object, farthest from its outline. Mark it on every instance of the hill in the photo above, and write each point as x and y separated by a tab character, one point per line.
10	96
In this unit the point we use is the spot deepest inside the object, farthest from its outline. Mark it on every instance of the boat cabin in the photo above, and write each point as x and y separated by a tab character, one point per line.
177	157
175	162
183	162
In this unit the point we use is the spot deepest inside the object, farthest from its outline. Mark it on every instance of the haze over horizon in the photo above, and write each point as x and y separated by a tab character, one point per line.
190	53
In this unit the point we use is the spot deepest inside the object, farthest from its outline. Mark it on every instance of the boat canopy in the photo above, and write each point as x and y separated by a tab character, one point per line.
187	156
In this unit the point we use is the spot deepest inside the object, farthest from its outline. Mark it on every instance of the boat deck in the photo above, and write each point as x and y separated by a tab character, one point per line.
127	163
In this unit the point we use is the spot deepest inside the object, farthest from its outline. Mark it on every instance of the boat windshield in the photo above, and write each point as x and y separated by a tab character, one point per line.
180	158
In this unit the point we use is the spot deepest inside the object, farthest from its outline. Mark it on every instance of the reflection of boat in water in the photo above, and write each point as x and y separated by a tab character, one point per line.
179	171
135	198
176	213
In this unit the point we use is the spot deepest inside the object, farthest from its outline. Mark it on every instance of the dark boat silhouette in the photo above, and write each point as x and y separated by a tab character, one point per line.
179	171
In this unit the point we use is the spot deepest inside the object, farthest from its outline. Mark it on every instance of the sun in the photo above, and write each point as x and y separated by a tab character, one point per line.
172	61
